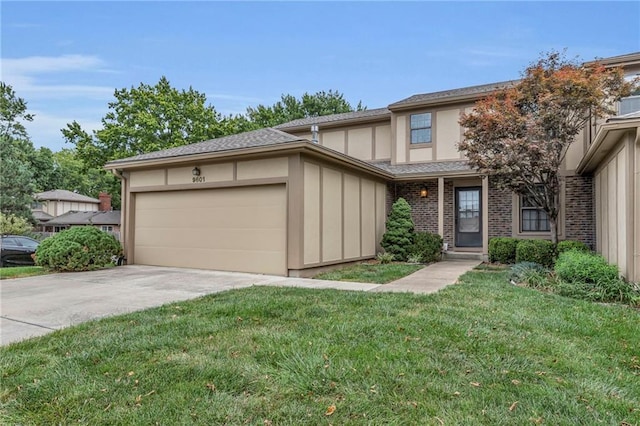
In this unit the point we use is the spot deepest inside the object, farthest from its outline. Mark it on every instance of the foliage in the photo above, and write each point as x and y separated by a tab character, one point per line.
13	111
587	275
520	134
385	258
538	251
14	225
80	248
398	238
281	356
503	250
529	273
381	273
290	108
568	245
427	246
414	258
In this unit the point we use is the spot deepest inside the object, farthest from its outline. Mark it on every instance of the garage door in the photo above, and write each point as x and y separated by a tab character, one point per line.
230	229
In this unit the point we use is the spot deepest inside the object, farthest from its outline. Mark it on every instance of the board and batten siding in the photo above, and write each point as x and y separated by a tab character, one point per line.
344	215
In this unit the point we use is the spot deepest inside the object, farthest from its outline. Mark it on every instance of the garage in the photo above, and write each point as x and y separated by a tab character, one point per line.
230	229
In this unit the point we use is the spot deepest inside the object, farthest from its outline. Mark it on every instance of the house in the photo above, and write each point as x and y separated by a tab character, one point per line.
315	192
60	209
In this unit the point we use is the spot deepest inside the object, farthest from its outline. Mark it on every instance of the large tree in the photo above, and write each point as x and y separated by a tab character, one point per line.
144	119
290	108
519	136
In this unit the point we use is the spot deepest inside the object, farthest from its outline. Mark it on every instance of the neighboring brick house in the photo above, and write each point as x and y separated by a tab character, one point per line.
315	192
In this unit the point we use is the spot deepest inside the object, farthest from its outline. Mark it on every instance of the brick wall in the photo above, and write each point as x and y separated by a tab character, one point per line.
424	211
579	210
448	237
500	211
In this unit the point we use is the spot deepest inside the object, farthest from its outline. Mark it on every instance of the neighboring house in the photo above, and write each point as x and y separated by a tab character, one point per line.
60	209
315	192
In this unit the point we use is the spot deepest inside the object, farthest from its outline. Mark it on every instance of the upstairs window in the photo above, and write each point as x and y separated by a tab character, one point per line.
632	102
421	128
532	217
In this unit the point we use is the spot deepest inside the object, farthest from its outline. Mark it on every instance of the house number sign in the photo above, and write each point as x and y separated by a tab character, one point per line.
198	179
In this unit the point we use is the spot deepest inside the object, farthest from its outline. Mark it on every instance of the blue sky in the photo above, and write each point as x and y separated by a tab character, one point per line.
67	58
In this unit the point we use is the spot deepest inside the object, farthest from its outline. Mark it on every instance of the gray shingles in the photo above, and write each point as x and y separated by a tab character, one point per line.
423	168
253	139
443	95
87	218
354	115
64	195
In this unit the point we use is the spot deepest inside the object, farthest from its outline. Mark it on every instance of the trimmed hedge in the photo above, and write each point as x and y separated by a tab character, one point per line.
427	246
542	252
503	250
398	239
81	248
566	245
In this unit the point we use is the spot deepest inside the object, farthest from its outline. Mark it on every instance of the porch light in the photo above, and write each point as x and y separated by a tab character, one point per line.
424	192
195	171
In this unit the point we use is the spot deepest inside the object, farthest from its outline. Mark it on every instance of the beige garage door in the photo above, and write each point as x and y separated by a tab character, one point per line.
231	229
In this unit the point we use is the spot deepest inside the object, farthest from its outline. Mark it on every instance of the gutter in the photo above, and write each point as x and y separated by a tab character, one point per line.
602	138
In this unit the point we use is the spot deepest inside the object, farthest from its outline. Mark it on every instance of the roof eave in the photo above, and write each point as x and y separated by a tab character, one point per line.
339	123
441	101
607	137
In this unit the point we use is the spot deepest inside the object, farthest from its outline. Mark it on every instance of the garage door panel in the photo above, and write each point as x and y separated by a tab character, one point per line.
233	229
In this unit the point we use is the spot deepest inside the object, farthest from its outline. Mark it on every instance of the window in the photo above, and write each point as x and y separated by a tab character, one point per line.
59	228
532	217
107	228
421	128
631	103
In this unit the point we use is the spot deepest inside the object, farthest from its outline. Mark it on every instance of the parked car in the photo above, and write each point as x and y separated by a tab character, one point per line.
17	250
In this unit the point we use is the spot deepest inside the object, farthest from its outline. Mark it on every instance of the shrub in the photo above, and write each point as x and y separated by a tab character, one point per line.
538	251
503	250
81	248
14	225
398	238
427	246
529	273
587	275
385	257
414	258
567	245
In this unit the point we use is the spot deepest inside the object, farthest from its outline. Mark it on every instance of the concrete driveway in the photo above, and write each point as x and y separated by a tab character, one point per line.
37	305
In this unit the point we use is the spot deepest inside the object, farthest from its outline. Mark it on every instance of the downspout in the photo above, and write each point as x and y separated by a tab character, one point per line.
124	207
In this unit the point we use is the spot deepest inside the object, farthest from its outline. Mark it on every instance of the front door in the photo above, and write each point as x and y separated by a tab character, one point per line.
468	217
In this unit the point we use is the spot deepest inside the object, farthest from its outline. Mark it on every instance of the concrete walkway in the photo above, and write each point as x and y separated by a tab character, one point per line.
38	305
431	278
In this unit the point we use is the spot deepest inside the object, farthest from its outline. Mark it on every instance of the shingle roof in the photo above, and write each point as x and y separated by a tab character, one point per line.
454	93
87	218
423	168
41	216
256	138
354	115
64	195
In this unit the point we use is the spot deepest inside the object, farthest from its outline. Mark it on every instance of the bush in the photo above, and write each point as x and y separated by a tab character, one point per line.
567	245
427	246
537	251
385	257
503	250
587	275
81	248
398	239
530	274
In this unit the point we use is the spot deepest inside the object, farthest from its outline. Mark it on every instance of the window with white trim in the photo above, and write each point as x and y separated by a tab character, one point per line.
532	217
107	228
632	102
420	127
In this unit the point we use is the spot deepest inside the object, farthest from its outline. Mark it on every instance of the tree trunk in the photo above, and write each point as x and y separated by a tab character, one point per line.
553	224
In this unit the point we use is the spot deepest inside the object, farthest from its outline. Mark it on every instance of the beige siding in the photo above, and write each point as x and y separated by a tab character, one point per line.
351	217
401	139
232	229
210	172
368	210
420	154
360	143
575	152
635	276
381	216
147	178
448	134
383	142
331	215
261	169
334	140
311	213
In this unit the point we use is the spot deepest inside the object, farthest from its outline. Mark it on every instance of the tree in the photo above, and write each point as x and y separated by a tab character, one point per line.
398	238
12	110
519	136
290	108
146	119
14	225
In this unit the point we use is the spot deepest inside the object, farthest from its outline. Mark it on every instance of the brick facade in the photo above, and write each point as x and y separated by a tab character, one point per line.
580	221
500	212
424	211
448	237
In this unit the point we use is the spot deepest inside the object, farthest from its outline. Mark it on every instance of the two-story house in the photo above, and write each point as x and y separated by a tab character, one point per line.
315	192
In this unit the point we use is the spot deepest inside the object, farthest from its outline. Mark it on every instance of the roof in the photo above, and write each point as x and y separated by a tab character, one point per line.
64	195
41	216
87	218
619	60
436	167
255	138
453	94
345	116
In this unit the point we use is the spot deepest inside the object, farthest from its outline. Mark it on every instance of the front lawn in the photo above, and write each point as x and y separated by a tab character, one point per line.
21	271
377	273
478	352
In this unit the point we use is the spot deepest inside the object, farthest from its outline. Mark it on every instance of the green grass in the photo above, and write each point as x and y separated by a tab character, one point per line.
479	352
378	273
21	271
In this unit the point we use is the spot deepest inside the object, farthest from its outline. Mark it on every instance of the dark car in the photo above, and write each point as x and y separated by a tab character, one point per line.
17	250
